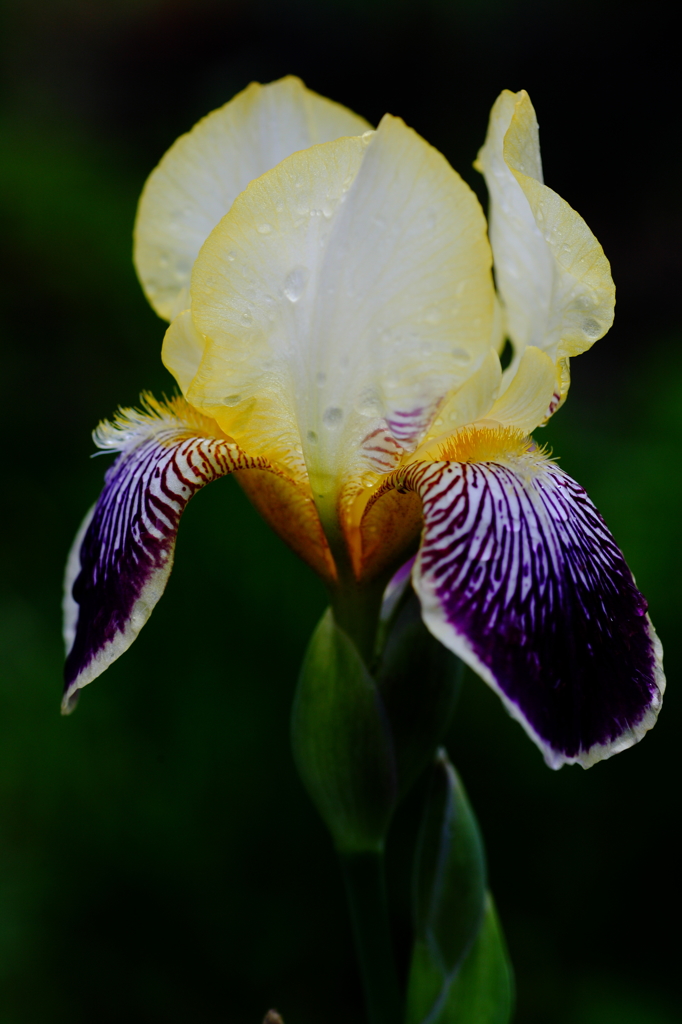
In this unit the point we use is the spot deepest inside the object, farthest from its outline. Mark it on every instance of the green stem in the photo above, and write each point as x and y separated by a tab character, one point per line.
356	610
366	890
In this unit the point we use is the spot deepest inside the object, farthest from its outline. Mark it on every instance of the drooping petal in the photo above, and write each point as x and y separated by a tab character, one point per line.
347	289
203	172
122	556
519	576
552	275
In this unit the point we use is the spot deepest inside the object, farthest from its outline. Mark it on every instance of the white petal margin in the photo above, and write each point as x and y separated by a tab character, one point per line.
551	272
121	559
204	171
518	575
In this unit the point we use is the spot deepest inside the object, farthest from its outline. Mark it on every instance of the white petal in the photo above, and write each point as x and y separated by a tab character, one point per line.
203	172
347	288
552	275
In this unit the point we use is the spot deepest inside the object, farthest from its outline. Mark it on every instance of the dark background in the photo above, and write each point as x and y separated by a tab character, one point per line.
159	861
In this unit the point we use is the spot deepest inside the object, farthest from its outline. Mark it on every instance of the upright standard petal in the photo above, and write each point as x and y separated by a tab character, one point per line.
345	294
552	275
203	172
122	556
519	576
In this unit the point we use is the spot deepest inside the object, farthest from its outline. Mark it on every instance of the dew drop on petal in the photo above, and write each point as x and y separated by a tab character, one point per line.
264	229
232	400
332	416
295	282
591	327
461	356
312	436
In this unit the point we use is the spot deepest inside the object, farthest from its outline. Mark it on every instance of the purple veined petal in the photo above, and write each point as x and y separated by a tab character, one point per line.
122	556
518	574
395	588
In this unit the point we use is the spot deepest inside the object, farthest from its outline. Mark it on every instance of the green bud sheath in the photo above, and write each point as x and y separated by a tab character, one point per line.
459	970
342	743
419	681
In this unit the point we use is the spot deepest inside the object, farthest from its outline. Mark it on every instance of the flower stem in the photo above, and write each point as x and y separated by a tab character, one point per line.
366	890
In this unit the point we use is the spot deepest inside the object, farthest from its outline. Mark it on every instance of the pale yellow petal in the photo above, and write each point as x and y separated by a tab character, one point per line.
498	332
552	275
468	404
348	287
183	348
203	172
527	400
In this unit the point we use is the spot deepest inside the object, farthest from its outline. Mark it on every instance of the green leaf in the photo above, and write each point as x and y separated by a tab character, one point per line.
483	990
342	743
419	681
459	970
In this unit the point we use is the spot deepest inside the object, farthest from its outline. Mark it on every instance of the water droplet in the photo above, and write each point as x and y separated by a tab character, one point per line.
264	229
312	436
333	416
591	327
295	282
328	209
433	316
246	317
232	400
369	404
232	255
461	356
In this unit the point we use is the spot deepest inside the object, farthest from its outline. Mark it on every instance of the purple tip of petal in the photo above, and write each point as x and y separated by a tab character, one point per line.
520	576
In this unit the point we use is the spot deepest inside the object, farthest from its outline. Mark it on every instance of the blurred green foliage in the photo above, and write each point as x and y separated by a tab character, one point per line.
159	860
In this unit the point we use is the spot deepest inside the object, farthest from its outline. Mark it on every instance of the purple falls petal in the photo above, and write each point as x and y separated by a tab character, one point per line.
123	553
519	576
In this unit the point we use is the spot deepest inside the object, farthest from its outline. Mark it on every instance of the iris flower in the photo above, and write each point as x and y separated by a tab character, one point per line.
335	335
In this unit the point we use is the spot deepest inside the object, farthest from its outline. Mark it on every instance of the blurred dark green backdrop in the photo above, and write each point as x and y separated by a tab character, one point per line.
159	861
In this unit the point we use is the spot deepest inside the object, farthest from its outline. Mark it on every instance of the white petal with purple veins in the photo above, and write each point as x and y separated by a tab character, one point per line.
122	556
519	576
